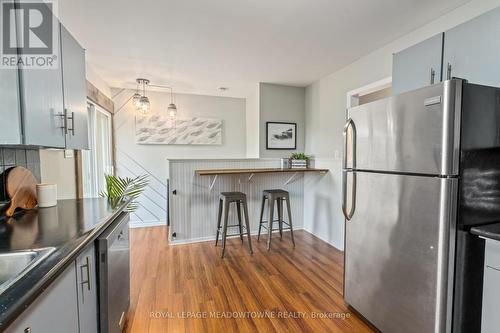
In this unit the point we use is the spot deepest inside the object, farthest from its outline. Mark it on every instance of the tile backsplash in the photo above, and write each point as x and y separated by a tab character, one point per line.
28	158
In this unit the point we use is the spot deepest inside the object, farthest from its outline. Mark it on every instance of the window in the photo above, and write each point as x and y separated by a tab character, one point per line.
98	161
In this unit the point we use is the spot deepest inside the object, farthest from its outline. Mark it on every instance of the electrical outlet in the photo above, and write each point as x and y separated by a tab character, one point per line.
68	153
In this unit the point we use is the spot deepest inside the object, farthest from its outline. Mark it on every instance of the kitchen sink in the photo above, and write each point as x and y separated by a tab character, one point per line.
14	265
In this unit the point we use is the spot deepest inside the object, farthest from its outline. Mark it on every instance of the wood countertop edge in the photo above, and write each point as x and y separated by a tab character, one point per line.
213	172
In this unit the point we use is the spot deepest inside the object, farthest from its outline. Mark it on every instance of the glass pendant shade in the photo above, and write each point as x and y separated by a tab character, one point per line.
172	110
137	100
144	104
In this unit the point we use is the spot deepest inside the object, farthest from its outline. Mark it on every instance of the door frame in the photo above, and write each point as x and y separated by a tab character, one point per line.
353	95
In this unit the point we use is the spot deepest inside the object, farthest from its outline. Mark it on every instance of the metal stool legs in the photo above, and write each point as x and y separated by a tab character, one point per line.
270	221
219	219
290	220
223	216
277	196
224	226
261	215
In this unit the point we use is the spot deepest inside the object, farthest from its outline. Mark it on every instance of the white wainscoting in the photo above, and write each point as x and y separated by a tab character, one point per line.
193	209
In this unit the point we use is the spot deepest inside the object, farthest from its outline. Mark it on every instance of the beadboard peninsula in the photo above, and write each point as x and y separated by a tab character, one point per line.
195	185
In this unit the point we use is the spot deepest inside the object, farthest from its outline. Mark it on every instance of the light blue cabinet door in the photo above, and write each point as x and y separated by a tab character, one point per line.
472	50
418	65
54	311
10	112
10	109
87	291
42	103
75	93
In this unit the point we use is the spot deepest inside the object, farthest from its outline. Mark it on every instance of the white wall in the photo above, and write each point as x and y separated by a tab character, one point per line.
134	159
55	168
94	78
252	123
281	103
325	116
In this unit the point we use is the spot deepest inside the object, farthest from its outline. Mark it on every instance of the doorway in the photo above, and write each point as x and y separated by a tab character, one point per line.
370	93
98	160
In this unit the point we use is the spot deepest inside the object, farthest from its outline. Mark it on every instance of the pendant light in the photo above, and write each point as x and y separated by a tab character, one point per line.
172	108
136	97
142	101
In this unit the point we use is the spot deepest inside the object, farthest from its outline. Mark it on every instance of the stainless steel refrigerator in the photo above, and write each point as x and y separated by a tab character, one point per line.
419	170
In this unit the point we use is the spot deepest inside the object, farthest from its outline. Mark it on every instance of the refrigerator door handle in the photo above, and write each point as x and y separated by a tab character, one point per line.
350	123
348	215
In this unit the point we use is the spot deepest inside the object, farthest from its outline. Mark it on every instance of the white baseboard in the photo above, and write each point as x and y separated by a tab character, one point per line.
323	239
212	238
144	224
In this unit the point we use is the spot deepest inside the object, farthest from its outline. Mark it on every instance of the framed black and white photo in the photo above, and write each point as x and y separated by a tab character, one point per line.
281	135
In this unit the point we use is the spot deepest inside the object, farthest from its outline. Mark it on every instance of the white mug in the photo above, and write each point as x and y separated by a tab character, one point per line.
46	194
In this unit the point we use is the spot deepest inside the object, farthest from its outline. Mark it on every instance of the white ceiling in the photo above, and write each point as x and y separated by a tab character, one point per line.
200	45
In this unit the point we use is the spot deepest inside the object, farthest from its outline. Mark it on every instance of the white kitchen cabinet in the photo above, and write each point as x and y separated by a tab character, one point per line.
75	96
43	104
490	322
472	50
55	310
10	112
86	284
468	51
47	107
418	65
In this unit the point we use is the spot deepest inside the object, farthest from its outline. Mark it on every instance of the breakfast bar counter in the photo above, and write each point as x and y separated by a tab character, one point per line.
195	186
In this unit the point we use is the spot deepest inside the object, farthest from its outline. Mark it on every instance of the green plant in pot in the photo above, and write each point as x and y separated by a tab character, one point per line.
300	156
299	160
118	189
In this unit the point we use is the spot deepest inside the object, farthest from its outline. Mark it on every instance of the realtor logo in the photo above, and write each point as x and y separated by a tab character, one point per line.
29	34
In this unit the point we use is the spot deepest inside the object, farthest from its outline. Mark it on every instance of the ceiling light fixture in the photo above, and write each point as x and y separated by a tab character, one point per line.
141	102
136	97
172	108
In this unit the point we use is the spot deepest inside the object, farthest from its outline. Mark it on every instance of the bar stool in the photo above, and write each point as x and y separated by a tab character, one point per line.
225	199
277	196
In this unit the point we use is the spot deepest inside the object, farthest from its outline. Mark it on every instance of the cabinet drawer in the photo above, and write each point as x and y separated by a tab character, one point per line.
491	301
492	255
55	310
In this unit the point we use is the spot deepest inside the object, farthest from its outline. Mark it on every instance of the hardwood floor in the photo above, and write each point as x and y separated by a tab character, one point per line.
284	290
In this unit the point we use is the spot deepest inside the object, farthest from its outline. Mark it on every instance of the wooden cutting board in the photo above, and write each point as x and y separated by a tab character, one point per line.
20	187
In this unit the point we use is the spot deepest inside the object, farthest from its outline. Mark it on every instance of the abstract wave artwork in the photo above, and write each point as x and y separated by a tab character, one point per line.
161	130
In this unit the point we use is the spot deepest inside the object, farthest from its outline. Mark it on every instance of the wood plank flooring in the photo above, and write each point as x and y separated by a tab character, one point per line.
188	288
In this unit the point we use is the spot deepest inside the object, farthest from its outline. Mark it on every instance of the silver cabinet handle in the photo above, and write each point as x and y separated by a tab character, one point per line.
27	330
87	267
433	75
72	118
448	71
62	116
348	215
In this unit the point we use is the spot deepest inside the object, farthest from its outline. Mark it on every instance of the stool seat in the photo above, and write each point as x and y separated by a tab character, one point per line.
277	193
232	196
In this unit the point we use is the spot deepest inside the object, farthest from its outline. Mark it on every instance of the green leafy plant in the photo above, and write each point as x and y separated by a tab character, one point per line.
117	189
299	156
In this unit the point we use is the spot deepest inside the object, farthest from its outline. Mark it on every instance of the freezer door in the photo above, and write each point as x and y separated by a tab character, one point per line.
398	241
415	132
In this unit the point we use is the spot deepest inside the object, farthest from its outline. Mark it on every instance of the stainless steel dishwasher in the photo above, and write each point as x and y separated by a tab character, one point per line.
113	248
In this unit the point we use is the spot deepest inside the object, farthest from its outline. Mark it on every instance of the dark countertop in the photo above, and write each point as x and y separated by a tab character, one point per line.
491	231
69	228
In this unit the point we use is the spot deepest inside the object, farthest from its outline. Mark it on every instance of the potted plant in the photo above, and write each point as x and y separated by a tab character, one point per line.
299	161
118	189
